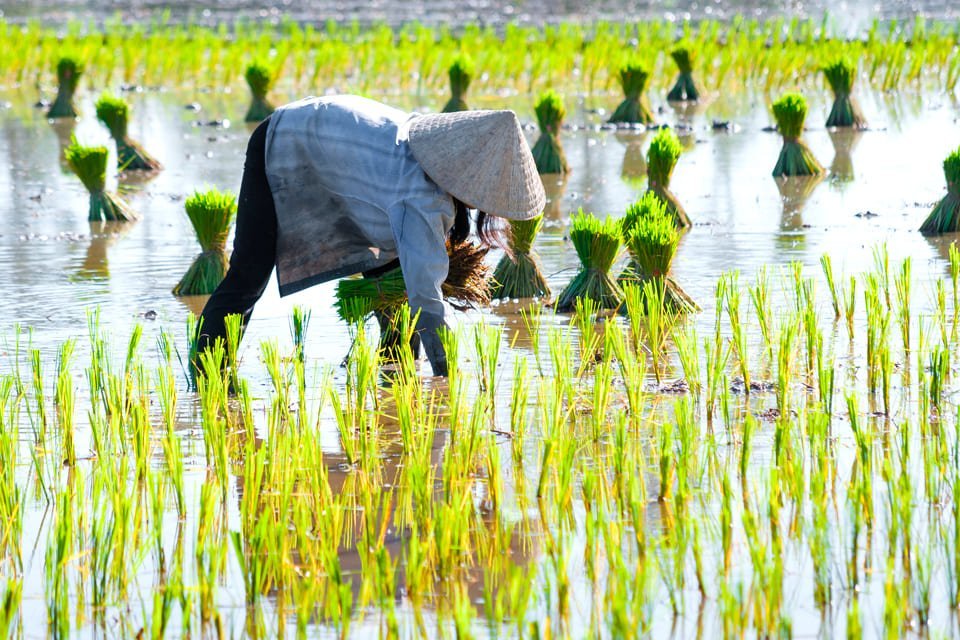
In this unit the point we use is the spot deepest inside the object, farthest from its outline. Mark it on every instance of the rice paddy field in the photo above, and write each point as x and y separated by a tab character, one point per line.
782	462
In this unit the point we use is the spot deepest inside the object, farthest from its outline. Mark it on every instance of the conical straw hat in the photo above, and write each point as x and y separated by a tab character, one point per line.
480	158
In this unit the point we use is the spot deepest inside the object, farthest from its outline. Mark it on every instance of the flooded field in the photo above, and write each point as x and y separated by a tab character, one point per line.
555	485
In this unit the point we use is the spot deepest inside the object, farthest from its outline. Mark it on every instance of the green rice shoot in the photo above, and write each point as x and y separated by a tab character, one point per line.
90	165
945	217
547	152
260	80
662	156
69	71
211	213
652	238
796	159
114	113
634	77
598	244
685	89
519	274
845	111
461	74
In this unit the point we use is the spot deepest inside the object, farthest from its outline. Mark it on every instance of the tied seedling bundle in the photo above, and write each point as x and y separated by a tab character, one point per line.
845	112
598	245
466	286
652	238
461	74
790	112
260	80
634	108
520	275
685	89
211	214
547	152
90	165
68	75
114	112
945	217
662	156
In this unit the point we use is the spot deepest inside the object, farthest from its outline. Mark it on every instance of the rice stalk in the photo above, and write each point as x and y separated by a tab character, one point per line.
114	113
598	245
69	71
260	79
685	89
90	165
519	274
634	109
945	217
211	213
845	112
795	159
547	152
461	73
662	156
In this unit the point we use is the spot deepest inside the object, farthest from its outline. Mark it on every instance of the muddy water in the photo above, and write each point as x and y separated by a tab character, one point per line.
57	266
849	15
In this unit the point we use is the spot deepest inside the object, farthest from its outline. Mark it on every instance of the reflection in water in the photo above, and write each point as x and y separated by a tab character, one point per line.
64	129
844	142
794	193
194	304
554	185
634	168
941	244
103	234
685	112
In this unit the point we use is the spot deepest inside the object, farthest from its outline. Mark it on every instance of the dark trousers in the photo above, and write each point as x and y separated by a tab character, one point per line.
254	250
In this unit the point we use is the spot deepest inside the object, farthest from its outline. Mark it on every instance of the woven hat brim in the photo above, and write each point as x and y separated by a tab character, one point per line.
481	158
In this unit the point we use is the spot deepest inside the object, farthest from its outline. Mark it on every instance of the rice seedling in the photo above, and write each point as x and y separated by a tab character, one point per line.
662	156
467	286
845	111
790	111
945	217
211	213
114	113
260	79
69	71
652	238
519	273
299	322
597	244
685	89
90	165
634	77
548	152
461	73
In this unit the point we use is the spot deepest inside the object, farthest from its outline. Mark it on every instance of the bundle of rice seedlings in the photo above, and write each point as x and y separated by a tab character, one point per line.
662	156
466	286
520	275
260	79
114	112
547	152
90	165
211	214
634	109
68	75
461	73
685	89
795	159
598	245
945	217
651	238
845	112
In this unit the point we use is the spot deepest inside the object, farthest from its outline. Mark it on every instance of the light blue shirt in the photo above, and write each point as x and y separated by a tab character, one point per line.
350	197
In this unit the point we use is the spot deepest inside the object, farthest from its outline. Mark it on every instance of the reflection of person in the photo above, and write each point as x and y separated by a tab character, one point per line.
341	185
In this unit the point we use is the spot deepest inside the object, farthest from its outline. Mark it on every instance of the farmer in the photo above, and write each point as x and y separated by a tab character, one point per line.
340	185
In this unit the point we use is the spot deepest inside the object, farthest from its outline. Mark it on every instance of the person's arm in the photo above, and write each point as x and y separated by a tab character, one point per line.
421	228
